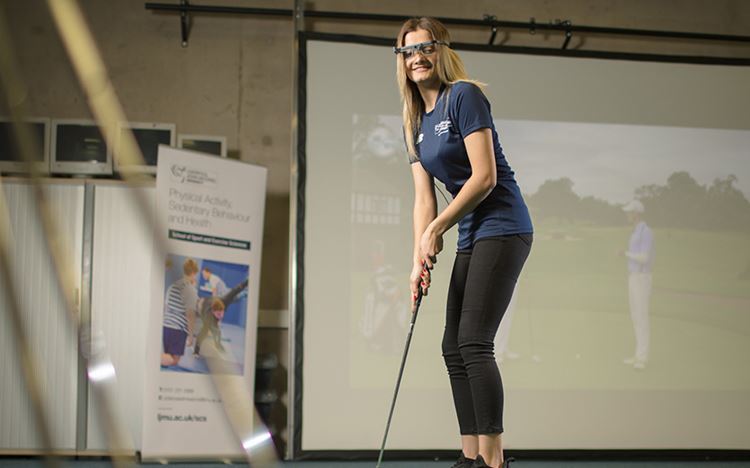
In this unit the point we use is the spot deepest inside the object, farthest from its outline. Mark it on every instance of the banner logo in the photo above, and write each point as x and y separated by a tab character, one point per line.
186	175
178	173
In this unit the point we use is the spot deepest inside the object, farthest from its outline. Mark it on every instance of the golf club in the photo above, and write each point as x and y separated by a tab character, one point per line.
417	302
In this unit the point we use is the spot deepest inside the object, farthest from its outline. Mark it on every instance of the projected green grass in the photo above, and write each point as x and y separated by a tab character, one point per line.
572	327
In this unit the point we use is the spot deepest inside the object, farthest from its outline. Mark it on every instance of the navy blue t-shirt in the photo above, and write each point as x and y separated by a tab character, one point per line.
460	110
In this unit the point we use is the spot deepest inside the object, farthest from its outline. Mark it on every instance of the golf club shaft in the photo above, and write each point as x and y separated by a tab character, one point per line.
401	371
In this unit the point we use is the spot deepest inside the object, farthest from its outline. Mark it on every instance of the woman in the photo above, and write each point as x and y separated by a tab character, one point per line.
450	135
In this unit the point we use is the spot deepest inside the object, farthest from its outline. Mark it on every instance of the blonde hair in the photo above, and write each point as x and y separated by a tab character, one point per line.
217	304
450	70
190	267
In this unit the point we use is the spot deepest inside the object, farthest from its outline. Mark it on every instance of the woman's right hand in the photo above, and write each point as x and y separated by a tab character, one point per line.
420	277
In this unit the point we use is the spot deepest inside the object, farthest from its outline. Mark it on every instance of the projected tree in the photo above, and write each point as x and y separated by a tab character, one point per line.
680	203
684	203
556	200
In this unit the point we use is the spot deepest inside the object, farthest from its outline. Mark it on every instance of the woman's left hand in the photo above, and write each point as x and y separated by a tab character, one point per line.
430	245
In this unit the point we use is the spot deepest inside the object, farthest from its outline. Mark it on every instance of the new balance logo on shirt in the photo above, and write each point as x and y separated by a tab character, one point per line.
443	127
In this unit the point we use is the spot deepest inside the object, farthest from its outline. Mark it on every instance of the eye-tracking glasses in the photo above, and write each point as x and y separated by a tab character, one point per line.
424	48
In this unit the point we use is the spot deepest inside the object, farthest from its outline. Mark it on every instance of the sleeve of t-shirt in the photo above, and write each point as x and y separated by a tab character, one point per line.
470	110
412	159
189	297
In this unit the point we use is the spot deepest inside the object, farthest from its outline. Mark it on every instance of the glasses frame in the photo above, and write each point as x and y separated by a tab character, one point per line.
413	49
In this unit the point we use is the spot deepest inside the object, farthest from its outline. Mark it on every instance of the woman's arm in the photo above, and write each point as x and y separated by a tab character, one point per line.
425	205
483	179
425	211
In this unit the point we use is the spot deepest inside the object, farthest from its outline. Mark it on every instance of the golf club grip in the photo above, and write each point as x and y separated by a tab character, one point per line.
417	303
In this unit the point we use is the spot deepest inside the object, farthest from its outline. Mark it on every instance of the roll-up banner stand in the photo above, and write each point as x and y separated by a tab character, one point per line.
204	302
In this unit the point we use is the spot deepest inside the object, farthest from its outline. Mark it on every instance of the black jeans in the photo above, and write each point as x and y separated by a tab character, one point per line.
480	290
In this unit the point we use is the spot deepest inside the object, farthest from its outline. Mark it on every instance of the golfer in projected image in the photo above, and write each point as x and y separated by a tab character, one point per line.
386	309
450	136
640	255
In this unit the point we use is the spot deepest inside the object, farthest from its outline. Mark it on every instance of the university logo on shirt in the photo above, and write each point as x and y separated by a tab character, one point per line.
443	127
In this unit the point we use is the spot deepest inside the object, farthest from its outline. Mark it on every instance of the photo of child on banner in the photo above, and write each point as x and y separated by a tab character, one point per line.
204	298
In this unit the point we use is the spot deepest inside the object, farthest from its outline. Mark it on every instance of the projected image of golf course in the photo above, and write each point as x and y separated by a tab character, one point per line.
571	326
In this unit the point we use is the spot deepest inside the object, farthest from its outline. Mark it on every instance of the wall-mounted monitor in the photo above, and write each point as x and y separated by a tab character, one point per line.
10	162
148	136
79	148
209	144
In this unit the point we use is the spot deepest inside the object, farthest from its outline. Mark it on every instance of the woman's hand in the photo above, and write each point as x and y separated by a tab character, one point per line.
420	277
430	246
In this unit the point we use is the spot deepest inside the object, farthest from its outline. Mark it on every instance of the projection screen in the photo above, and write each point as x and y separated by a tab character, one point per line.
585	136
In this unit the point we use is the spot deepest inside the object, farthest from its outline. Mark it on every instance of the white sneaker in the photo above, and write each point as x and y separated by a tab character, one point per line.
630	361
